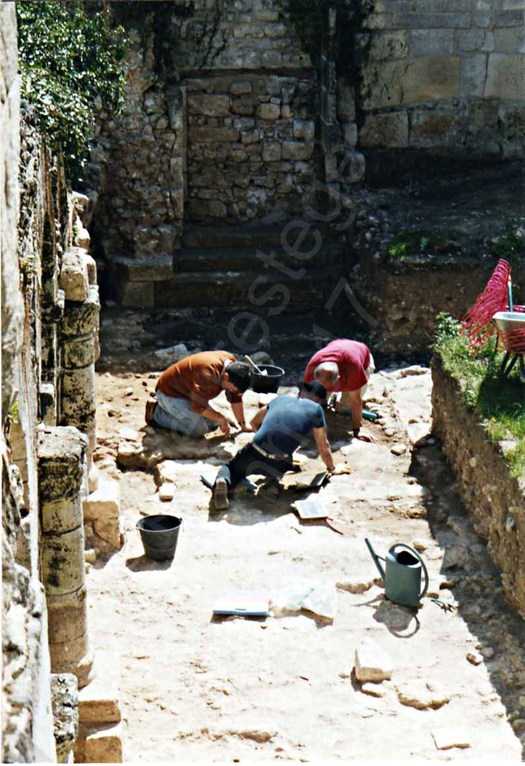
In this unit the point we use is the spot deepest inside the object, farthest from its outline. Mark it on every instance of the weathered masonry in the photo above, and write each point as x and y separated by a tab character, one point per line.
50	320
237	111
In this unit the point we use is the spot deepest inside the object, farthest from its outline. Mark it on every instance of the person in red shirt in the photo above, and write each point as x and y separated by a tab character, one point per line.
185	389
344	366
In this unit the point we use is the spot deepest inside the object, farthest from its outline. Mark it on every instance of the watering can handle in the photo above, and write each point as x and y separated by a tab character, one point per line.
418	557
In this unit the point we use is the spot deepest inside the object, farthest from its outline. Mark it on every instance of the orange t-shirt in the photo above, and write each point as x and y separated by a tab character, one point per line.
197	378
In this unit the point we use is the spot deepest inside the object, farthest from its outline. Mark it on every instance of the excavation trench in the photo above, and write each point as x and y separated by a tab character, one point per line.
204	688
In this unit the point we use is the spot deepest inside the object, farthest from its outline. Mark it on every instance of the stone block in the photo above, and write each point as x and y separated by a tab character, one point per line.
304	129
64	699
73	278
385	46
102	509
82	238
382	84
61	454
269	112
508	40
470	39
432	128
452	738
67	616
297	150
205	135
243	105
431	42
167	491
385	130
78	396
91	269
61	515
137	294
505	77
83	318
431	78
151	269
209	105
78	352
100	702
63	562
104	745
241	87
271	151
473	74
372	663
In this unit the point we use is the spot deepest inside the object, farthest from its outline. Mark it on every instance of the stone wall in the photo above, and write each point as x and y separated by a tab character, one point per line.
50	314
27	733
493	499
444	75
217	126
250	145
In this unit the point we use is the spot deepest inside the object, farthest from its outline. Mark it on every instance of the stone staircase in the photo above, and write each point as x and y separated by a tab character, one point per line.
247	268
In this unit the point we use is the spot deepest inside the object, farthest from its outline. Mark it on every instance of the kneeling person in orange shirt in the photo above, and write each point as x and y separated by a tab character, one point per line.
185	389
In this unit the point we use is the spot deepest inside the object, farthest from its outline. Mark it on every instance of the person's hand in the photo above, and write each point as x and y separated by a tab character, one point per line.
339	468
246	427
364	437
224	425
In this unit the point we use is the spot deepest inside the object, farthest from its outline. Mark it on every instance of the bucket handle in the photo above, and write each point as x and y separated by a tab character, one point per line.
418	557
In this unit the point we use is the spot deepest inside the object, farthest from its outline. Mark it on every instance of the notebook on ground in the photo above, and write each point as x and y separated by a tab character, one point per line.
251	603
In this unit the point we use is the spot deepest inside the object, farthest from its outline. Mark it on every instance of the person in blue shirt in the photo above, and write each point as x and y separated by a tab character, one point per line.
283	426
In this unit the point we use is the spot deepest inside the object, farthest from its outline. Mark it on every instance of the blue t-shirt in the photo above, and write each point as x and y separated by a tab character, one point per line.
287	424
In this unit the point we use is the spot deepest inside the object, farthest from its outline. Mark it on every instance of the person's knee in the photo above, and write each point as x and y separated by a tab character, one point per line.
200	428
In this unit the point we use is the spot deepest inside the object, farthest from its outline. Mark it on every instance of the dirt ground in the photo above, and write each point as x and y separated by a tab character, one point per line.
199	688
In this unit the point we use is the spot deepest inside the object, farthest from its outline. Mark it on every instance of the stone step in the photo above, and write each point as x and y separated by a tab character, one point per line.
239	290
250	235
265	259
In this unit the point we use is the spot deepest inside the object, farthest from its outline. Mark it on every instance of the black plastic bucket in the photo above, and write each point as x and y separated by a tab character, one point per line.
159	534
268	383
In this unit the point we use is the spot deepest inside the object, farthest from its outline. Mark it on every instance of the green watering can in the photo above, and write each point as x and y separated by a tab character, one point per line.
402	574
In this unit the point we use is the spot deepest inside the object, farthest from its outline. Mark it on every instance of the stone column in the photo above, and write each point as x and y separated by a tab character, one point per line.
62	453
79	339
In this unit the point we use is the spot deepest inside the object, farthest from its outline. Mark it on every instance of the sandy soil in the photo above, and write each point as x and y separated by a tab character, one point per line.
231	689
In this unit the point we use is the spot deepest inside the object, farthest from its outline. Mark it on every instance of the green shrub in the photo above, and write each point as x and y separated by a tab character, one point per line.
497	400
71	61
419	242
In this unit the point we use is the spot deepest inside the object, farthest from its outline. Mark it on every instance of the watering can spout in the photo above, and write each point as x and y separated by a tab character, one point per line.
375	557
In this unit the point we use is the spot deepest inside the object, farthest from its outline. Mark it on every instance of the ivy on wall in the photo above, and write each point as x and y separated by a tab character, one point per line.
72	64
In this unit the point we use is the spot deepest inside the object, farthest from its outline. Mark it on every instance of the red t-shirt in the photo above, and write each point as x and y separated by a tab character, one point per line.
352	358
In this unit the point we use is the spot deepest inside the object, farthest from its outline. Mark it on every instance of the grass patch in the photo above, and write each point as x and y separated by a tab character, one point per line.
499	402
421	242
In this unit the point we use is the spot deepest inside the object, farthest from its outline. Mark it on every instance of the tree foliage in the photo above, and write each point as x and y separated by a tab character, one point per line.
71	62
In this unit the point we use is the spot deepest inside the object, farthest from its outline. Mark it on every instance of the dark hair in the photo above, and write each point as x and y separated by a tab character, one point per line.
239	374
315	388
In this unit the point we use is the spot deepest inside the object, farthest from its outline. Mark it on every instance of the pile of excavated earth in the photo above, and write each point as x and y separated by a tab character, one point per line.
335	671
